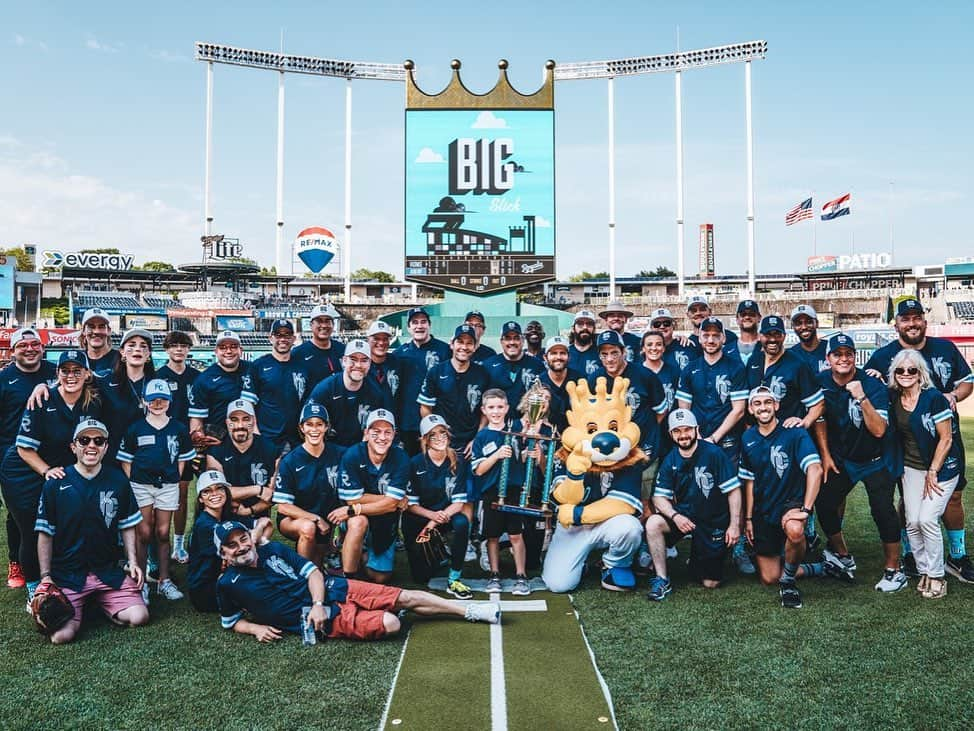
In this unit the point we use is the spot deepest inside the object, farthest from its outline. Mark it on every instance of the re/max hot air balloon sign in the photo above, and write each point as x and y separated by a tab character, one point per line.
316	246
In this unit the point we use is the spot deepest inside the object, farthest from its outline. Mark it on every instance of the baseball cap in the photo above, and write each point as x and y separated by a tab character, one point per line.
379	328
696	299
90	425
841	340
475	313
357	346
416	312
73	356
157	388
24	332
712	322
313	410
610	337
584	315
745	305
282	325
660	314
210	478
240	405
429	423
380	415
222	531
465	330
136	332
556	341
323	311
806	310
615	307
227	335
761	391
681	417
93	314
907	306
510	327
772	323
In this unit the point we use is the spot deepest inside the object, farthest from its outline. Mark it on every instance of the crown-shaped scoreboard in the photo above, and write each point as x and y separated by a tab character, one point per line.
480	185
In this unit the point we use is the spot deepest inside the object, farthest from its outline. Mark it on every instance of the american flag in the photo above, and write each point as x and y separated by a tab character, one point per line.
800	212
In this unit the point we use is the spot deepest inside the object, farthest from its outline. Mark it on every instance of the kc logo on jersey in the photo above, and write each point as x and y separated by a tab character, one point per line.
605	482
778	387
943	369
258	474
279	566
705	481
473	396
855	414
929	425
108	504
722	387
363	414
591	366
779	460
299	384
681	358
382	484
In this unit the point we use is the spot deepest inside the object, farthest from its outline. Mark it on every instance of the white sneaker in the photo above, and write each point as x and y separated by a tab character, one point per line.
145	593
471	554
169	590
645	560
489	612
484	558
179	555
671	552
893	580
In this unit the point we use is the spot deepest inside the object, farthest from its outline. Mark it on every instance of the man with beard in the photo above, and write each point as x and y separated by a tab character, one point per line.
386	369
272	584
748	317
856	444
616	316
276	385
248	460
804	321
320	354
678	351
215	388
349	396
512	370
420	354
583	356
557	374
781	473
96	339
697	494
698	310
534	339
476	320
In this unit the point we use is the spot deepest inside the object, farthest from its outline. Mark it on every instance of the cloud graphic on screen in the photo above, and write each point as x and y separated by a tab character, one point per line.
487	120
429	155
542	222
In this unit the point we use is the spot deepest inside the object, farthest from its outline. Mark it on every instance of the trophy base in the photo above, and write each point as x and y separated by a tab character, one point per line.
534	511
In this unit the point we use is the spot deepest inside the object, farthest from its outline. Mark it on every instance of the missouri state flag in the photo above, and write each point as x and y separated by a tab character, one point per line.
838	207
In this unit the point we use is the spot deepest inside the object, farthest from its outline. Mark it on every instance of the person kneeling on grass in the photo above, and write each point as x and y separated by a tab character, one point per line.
84	519
271	584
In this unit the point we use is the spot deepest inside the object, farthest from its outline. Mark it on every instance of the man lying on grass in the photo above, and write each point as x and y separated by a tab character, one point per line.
271	583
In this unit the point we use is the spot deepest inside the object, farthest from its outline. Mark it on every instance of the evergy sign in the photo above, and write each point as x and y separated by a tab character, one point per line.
86	260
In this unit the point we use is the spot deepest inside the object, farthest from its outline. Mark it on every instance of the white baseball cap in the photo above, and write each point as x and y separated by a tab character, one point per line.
429	423
324	311
379	328
659	314
681	417
136	332
210	478
157	388
358	346
240	405
21	334
556	341
584	315
228	335
90	425
380	415
806	310
93	314
697	299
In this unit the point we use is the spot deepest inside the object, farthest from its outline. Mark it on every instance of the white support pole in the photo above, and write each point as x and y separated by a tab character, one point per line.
612	192
750	180
279	238
347	258
680	262
208	162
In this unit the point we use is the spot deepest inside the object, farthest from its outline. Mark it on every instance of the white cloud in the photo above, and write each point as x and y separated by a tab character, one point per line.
93	45
429	155
164	55
19	40
542	222
487	120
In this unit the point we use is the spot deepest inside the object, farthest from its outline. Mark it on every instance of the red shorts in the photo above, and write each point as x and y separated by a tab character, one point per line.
362	612
110	601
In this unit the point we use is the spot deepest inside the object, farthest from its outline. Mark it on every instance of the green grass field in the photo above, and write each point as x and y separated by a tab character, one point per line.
726	659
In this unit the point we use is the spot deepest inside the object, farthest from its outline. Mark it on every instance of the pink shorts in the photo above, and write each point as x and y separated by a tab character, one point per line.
361	616
110	601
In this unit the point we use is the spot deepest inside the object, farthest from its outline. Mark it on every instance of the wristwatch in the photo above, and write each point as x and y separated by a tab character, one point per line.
807	511
350	511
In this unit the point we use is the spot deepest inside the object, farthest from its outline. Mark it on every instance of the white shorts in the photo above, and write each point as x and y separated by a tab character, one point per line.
160	498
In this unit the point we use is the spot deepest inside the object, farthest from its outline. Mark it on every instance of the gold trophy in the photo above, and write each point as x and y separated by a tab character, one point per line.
534	409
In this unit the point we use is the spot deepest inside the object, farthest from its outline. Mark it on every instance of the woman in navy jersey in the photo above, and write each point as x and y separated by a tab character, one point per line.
123	390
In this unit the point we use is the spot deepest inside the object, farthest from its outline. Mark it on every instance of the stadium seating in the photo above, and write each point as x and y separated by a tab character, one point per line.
963	310
160	301
108	300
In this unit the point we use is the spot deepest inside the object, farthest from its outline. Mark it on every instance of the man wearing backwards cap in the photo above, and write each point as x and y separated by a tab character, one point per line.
216	387
84	520
320	354
616	316
856	444
277	385
272	584
698	310
350	396
804	321
697	493
512	370
583	356
418	356
748	317
475	318
952	376
96	339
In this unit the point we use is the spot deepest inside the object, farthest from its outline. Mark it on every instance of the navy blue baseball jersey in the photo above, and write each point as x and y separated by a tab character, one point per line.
277	389
669	378
155	454
485	444
560	403
633	345
252	466
816	359
645	397
85	516
698	485
122	406
730	344
388	375
946	363
777	463
513	377
585	361
15	388
931	408
180	384
390	478
435	486
205	563
482	353
624	484
711	389
416	361
790	380
311	483
319	363
680	356
213	391
456	397
104	366
349	410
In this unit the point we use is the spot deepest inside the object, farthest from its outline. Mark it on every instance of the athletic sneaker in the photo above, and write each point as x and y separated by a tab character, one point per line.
179	555
908	565
489	612
460	590
15	576
169	590
659	588
671	552
618	578
471	554
744	563
521	586
893	580
839	567
145	593
791	598
493	584
960	568
484	557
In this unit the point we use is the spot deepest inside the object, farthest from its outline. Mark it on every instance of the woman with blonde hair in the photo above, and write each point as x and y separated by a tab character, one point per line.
921	418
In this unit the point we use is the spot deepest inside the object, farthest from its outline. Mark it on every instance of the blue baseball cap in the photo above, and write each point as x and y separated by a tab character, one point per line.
282	325
745	305
223	530
73	356
610	337
465	330
157	388
416	312
772	323
907	306
841	340
510	327
712	321
313	410
475	313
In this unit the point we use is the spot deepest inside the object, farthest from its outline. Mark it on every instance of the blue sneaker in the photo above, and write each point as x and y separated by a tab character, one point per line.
618	579
659	588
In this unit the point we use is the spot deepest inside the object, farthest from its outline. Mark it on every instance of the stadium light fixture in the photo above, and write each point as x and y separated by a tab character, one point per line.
664	63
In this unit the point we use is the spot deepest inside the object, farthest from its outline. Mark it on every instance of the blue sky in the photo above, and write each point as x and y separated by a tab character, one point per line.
101	130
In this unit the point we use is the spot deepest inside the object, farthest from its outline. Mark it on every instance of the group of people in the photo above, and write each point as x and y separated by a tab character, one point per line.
362	448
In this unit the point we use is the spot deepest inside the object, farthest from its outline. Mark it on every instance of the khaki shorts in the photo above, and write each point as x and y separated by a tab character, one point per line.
160	498
649	479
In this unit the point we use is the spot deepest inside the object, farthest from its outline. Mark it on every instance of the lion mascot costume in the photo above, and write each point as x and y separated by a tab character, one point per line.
597	488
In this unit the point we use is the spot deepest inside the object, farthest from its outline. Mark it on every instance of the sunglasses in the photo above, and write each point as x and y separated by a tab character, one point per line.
911	371
84	441
662	323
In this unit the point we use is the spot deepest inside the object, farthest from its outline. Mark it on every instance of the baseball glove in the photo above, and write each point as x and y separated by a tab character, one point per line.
201	440
50	608
433	548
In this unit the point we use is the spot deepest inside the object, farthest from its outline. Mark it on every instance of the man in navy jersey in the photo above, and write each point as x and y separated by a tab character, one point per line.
534	339
453	389
556	377
698	310
678	351
85	525
248	461
781	473
26	369
349	396
748	317
277	385
583	356
476	320
96	339
804	321
856	444
216	387
374	478
615	317
698	494
512	370
952	376
320	354
386	371
420	354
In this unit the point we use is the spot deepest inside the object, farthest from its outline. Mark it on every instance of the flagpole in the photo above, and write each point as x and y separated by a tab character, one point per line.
814	227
